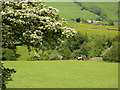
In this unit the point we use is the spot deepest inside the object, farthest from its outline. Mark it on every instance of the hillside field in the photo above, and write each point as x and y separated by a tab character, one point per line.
70	10
110	8
91	29
63	74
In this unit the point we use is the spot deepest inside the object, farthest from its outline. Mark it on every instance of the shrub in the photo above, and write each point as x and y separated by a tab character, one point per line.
75	54
40	55
111	22
112	54
78	20
84	49
98	19
9	54
55	55
6	75
65	52
46	55
97	44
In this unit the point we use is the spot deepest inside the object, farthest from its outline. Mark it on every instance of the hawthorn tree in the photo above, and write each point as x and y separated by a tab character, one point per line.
33	24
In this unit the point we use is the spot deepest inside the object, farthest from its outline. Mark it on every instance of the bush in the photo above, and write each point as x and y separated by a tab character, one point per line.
84	49
6	76
76	42
74	47
78	20
55	55
40	55
112	54
9	54
65	52
111	22
46	55
97	44
75	54
98	19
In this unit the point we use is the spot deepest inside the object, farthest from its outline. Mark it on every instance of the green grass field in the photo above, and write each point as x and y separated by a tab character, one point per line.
110	8
92	32
63	74
70	10
87	29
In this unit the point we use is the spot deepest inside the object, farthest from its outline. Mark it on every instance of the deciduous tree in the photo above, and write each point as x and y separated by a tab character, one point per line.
32	24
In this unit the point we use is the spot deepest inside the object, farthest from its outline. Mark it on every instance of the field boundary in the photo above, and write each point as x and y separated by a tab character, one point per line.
96	28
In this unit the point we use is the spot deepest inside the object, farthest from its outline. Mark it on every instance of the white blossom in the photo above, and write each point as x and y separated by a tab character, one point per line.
3	13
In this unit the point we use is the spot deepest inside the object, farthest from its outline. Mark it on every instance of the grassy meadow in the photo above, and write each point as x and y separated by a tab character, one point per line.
91	29
63	74
110	8
71	10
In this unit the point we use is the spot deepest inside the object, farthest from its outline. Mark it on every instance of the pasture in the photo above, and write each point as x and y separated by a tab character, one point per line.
63	74
94	30
70	10
110	8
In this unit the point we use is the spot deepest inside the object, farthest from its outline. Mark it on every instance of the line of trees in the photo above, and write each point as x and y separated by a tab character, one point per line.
96	45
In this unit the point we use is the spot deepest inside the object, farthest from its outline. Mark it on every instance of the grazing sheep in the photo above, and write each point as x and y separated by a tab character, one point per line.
80	58
83	58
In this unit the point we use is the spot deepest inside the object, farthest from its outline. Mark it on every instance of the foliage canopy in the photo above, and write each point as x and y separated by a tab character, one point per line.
33	24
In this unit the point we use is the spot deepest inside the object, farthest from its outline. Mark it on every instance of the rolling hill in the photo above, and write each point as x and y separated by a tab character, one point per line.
71	10
110	8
